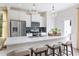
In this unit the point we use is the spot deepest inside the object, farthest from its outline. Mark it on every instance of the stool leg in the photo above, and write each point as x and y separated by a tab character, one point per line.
71	49
46	53
36	54
53	51
40	54
60	51
66	50
31	52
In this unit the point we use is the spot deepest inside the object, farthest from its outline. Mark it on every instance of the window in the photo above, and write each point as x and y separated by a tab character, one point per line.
1	17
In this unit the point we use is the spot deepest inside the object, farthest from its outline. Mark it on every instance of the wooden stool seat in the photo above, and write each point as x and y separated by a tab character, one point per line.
39	51
22	53
19	53
67	43
55	47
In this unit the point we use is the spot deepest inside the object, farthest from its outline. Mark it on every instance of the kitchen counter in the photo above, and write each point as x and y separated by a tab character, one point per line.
25	39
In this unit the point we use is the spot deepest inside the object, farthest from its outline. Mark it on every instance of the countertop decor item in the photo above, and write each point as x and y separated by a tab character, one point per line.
55	31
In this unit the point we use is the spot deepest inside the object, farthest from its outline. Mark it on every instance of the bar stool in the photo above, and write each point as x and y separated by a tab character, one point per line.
19	53
66	46
55	47
39	51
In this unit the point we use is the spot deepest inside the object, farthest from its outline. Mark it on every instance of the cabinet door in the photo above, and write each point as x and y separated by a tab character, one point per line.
23	28
35	24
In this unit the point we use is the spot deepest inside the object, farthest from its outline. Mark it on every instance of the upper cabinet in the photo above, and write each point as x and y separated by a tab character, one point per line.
39	18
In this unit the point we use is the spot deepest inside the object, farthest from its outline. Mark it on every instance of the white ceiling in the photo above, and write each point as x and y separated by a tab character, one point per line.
40	6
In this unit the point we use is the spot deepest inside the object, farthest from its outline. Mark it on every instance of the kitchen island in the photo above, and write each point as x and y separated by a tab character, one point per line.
23	43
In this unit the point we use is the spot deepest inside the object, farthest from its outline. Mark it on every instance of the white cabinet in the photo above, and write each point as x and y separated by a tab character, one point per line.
40	19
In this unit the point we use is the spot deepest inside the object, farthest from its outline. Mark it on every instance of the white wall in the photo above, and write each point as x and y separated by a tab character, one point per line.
50	22
59	22
68	14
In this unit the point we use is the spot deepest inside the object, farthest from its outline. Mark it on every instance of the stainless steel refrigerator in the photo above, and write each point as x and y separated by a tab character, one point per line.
17	28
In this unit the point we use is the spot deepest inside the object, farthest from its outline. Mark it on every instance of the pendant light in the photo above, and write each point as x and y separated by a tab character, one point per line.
34	11
53	10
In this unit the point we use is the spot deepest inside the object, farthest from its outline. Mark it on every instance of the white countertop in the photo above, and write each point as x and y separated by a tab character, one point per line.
25	39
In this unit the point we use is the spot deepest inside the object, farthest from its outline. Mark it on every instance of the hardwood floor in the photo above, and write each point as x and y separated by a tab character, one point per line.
76	52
